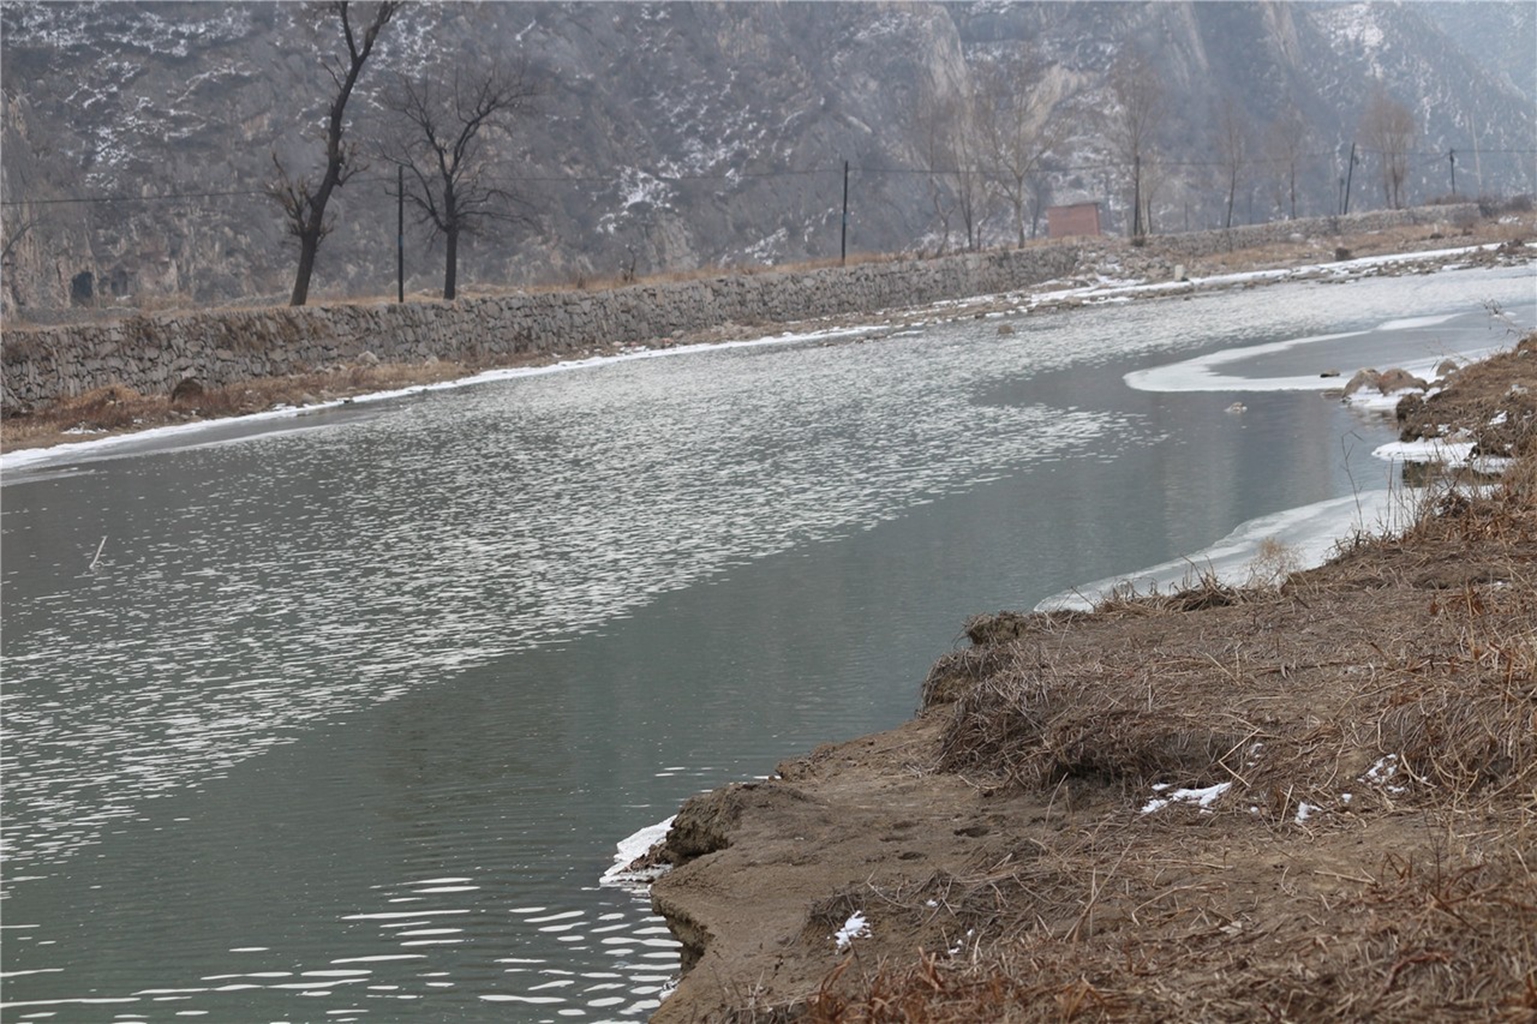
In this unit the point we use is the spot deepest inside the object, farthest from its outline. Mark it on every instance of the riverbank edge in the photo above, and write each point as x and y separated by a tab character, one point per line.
167	368
894	870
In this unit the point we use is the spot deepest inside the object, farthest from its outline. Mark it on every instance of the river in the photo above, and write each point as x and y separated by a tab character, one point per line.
339	717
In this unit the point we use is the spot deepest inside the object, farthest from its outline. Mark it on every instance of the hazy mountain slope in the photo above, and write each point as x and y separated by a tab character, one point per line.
1498	35
674	135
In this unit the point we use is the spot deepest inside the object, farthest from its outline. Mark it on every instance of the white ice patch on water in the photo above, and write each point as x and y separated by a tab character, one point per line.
1307	536
1203	373
1453	454
632	847
1372	400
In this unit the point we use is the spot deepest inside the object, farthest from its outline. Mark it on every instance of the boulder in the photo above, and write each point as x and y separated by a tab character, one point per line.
1399	380
1365	378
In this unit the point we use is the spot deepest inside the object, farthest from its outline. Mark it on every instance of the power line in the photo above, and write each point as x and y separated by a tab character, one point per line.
164	197
736	175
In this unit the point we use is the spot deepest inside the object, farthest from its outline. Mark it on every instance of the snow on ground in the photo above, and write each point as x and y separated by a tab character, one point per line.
1383	773
856	927
1202	798
1373	400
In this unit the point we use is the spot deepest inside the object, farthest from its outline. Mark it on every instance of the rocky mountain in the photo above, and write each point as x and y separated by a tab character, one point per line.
137	136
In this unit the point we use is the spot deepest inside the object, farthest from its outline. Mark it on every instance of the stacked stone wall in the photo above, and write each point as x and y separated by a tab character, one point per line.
152	353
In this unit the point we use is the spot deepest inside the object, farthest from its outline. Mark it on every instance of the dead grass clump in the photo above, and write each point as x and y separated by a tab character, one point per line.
1037	730
1428	937
110	408
1273	564
1494	402
1465	724
1000	627
955	673
1462	745
1199	591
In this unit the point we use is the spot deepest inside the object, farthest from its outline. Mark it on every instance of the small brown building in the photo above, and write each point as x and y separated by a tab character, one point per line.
1077	219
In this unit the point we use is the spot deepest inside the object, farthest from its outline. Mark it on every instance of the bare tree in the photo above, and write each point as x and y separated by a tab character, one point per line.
304	201
1014	117
970	193
443	127
1388	128
1286	142
1232	149
1156	176
936	123
1139	104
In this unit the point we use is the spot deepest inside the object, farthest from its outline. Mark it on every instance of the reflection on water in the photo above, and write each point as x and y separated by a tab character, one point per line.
348	719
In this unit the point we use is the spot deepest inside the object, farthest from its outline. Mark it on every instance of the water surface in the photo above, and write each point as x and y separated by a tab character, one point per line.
346	720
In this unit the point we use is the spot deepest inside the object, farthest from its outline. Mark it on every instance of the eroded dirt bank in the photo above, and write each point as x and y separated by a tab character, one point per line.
1316	801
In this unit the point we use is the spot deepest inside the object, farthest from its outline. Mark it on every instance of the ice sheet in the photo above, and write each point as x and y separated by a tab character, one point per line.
1300	538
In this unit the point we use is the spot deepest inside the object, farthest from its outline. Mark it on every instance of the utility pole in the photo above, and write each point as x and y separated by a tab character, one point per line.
1451	155
400	234
1349	174
843	244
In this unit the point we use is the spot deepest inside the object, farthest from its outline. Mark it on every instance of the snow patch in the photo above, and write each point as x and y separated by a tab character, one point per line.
1384	772
856	927
1202	798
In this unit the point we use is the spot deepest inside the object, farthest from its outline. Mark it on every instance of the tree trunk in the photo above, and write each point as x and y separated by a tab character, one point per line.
309	244
450	261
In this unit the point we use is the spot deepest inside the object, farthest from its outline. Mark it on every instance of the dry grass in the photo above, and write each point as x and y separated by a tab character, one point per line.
1375	854
1515	227
1420	941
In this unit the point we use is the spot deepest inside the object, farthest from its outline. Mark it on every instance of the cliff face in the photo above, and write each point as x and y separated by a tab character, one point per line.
674	135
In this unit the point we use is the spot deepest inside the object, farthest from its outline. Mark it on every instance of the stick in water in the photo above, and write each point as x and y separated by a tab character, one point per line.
97	560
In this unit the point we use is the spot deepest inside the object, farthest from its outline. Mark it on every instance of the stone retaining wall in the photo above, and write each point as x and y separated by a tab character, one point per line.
152	353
